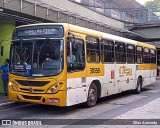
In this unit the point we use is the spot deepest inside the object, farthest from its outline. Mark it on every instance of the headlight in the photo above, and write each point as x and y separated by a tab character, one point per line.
12	85
52	89
55	88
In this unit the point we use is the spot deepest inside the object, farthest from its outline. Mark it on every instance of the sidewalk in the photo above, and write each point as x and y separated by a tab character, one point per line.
4	101
3	98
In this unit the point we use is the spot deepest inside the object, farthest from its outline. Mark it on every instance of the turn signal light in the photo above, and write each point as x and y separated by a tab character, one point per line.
60	83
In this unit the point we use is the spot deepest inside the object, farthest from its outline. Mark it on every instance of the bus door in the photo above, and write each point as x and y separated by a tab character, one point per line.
76	72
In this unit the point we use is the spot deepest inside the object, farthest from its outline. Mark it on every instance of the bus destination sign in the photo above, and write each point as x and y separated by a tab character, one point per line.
39	31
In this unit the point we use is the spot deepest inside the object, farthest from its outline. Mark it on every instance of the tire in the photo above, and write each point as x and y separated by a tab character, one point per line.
92	96
138	87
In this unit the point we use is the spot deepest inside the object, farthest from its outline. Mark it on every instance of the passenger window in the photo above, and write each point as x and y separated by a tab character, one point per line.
75	54
130	54
93	50
139	55
153	56
107	51
146	56
120	52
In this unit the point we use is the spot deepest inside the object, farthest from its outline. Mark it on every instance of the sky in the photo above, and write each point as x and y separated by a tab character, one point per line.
142	1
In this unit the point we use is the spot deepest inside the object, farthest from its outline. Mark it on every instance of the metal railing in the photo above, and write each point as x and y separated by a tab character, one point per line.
142	15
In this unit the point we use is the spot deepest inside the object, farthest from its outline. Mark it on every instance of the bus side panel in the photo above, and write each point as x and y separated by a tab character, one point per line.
153	76
76	91
78	84
120	77
129	72
108	81
153	73
145	72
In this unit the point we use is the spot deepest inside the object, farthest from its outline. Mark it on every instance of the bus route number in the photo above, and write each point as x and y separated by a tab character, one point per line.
94	70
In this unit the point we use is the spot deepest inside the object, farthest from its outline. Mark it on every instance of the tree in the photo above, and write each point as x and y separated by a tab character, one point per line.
155	5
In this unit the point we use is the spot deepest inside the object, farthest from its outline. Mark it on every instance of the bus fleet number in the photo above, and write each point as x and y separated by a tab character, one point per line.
94	70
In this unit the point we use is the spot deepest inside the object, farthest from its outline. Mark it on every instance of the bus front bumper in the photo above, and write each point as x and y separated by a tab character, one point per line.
58	99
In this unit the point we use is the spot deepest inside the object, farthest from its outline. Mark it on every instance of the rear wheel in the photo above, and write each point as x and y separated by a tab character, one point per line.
139	86
92	96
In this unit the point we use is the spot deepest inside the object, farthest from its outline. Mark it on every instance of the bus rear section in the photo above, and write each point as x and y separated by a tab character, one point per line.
146	68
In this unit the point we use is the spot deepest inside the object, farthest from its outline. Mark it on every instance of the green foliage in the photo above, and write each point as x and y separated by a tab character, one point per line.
6	30
154	3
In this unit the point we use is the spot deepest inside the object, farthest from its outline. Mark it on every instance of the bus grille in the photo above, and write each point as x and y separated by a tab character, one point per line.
34	90
32	83
32	97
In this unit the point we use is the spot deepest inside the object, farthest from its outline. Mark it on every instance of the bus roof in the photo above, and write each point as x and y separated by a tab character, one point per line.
87	31
38	24
91	32
146	45
101	34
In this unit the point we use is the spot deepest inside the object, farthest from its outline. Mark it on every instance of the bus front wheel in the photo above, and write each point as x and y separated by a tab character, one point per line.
92	96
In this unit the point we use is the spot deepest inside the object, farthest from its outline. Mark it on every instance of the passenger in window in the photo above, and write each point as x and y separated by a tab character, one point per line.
48	57
47	60
70	57
51	53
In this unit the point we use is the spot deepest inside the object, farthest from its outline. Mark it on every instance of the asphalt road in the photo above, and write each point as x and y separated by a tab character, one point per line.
107	108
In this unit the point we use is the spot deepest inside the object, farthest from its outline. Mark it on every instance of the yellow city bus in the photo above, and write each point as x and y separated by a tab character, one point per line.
62	64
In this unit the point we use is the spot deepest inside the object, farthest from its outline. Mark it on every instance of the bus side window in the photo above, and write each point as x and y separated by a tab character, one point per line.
139	55
93	49
153	56
146	55
120	52
107	51
130	53
75	54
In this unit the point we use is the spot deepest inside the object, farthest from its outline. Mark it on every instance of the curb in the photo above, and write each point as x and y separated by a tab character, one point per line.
6	105
11	104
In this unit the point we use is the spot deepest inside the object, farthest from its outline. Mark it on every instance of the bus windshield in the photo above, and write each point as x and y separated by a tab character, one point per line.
38	57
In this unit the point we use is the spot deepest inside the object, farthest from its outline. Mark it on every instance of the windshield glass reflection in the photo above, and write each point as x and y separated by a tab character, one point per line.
42	57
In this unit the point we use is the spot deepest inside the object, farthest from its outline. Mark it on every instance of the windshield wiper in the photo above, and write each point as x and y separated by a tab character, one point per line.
40	49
